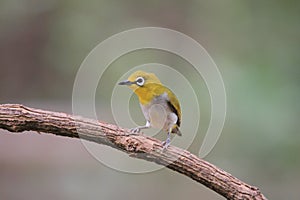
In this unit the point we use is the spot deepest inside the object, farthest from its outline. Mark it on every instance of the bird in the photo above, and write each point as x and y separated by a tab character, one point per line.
159	104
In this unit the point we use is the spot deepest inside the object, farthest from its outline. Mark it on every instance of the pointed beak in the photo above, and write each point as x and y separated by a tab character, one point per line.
125	83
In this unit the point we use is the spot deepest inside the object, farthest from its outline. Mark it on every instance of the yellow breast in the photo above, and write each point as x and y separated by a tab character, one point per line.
150	91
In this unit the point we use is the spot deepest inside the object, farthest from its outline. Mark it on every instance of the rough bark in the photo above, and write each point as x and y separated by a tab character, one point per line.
18	118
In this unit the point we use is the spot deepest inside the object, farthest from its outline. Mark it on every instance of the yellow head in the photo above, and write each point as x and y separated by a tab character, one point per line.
143	84
140	79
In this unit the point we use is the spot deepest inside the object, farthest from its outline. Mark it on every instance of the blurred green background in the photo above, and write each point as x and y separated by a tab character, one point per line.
255	44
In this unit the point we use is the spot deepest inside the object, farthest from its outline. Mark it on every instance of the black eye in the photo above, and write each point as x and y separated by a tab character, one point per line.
140	81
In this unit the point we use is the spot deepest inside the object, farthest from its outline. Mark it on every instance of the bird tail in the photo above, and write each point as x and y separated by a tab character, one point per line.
177	131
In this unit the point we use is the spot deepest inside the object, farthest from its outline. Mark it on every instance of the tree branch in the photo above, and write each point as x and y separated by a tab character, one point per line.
18	118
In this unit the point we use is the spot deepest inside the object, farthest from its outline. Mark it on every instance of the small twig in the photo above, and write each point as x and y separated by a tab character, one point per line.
18	118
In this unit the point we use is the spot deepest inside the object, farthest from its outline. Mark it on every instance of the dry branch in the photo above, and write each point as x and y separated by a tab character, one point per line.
18	118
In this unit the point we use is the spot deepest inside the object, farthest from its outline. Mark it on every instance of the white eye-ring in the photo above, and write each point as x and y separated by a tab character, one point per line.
140	81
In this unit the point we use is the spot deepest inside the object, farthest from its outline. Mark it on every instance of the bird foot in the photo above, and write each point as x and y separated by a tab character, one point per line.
166	144
135	130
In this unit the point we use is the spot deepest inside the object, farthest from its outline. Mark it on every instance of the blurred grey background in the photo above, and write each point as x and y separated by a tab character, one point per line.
255	44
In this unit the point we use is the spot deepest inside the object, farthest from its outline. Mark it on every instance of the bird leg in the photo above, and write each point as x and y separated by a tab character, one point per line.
168	140
138	129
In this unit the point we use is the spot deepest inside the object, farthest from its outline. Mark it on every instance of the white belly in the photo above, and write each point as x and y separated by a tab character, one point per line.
159	114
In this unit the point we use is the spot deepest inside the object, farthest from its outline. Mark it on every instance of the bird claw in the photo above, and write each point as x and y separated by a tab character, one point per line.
166	144
135	130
